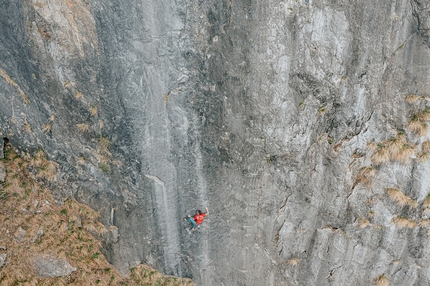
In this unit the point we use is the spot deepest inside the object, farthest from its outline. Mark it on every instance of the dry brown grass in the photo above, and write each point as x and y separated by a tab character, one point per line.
26	127
417	122
101	124
104	143
399	197
364	175
424	114
83	127
166	97
67	84
412	98
293	261
363	222
425	223
393	149
404	154
423	156
404	222
11	82
419	127
425	147
381	281
29	206
47	127
372	146
79	95
45	168
81	160
426	203
380	156
93	110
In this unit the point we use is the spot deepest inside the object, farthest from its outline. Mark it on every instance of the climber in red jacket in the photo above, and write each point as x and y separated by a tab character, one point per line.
200	216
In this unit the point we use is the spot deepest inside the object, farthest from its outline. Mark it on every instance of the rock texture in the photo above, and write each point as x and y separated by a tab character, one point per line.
50	267
3	257
261	110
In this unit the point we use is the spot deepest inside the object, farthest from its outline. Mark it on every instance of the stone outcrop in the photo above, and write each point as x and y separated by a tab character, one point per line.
301	124
51	267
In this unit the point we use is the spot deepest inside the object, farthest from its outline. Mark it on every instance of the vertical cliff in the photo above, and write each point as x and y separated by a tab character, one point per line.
301	124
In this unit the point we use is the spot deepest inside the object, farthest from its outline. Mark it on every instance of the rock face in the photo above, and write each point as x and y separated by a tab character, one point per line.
262	110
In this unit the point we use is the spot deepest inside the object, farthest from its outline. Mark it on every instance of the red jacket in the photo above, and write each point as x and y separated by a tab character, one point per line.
199	218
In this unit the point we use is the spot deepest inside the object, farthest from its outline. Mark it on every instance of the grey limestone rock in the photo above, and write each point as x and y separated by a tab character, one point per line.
20	234
3	257
2	171
39	233
50	267
1	146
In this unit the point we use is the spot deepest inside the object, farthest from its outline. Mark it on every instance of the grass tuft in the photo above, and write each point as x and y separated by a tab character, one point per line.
392	149
293	261
104	143
363	222
412	98
67	84
419	127
83	127
417	122
47	127
11	82
404	222
79	95
26	127
93	110
381	281
423	156
364	175
399	197
380	156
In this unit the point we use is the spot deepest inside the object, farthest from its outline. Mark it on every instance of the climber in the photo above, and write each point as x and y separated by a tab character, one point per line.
191	221
200	216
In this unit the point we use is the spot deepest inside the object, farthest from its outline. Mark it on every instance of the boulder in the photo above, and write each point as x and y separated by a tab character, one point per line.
2	259
2	171
39	234
20	235
51	267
